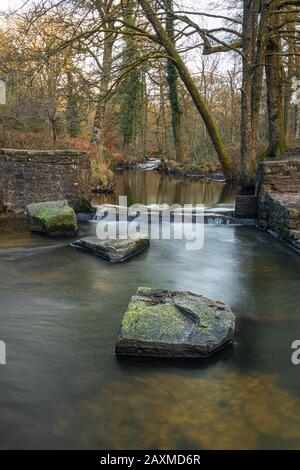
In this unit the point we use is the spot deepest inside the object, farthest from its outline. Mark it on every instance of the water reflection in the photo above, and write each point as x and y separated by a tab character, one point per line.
225	411
149	187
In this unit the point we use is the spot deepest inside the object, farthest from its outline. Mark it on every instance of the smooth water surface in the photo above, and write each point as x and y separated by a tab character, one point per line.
63	387
151	187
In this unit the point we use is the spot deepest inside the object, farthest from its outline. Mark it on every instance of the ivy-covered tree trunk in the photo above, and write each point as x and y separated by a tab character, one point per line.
161	127
288	78
72	110
144	123
274	80
172	78
296	122
100	121
217	141
260	14
130	89
248	132
256	14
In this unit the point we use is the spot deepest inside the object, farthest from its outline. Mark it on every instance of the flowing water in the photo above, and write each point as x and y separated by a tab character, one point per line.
60	310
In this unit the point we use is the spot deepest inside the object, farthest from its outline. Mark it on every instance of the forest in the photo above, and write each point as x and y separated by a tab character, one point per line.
127	80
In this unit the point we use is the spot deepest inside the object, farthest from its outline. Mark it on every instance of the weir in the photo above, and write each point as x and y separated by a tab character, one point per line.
210	217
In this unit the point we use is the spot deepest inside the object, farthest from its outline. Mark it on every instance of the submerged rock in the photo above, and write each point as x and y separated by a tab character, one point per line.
54	218
174	324
115	251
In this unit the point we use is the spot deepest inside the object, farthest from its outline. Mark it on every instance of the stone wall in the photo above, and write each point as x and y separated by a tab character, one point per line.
34	176
279	176
278	190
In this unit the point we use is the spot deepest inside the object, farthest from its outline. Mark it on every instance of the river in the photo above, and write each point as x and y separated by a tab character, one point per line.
60	310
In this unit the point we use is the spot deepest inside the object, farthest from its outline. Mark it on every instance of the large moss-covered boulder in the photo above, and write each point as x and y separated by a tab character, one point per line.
115	251
54	218
174	324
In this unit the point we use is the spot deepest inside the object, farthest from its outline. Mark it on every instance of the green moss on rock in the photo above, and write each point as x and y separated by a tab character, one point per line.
115	251
54	218
174	324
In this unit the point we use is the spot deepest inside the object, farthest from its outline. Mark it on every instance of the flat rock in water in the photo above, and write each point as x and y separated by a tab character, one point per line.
115	251
174	324
54	218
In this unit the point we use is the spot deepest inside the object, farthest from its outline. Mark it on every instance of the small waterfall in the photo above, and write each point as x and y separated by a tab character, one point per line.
109	212
218	220
150	164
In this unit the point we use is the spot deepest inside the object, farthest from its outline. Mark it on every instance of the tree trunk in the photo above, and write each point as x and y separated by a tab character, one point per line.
248	133
53	130
297	123
274	80
172	77
224	157
145	116
131	87
162	113
258	59
100	124
72	109
232	102
291	73
254	43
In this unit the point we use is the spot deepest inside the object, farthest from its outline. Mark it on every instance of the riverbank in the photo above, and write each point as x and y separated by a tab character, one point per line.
13	225
191	171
